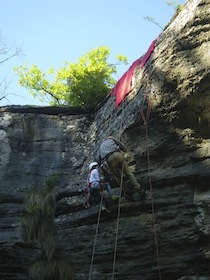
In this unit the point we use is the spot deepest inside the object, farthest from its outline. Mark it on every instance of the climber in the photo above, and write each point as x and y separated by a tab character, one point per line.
97	182
112	151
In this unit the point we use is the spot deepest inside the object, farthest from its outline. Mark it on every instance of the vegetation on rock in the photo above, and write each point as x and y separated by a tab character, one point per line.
38	226
82	84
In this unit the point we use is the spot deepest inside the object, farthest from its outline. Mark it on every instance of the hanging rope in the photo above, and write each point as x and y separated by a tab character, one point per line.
146	120
99	214
110	119
121	123
119	205
118	218
94	245
118	212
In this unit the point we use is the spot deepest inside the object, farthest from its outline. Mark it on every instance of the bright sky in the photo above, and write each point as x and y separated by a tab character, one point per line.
53	31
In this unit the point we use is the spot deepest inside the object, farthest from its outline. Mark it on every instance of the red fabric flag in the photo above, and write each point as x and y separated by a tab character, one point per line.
123	86
148	53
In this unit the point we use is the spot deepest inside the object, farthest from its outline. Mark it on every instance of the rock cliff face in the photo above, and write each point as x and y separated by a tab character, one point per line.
165	236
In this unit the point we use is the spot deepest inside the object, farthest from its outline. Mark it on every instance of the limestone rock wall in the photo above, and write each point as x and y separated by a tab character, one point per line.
166	236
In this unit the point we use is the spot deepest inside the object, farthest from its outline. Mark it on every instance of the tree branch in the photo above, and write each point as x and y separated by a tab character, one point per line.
52	95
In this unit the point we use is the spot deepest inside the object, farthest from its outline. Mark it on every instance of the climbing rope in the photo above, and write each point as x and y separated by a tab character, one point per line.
117	227
110	119
119	205
146	119
118	213
95	240
121	123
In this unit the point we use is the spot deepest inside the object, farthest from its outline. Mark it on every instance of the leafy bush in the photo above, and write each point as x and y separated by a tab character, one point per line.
82	84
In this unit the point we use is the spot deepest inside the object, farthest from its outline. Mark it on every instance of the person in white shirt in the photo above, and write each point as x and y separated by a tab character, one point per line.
95	182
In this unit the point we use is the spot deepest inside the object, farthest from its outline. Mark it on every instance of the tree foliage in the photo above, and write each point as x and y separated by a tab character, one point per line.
82	84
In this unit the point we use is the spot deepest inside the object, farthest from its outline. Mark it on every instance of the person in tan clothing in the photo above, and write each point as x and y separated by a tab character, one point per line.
112	151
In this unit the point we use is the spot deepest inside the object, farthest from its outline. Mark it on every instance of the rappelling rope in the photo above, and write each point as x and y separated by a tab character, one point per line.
119	205
95	240
121	123
118	213
117	227
110	119
146	119
99	214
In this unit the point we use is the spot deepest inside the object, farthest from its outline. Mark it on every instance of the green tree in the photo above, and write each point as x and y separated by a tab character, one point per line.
81	84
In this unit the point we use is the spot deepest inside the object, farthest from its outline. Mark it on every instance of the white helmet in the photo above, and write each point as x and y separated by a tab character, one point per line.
92	164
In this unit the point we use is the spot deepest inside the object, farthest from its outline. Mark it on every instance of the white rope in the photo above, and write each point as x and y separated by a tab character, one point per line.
94	246
118	218
120	198
118	214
